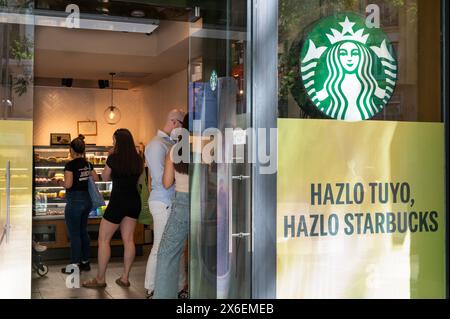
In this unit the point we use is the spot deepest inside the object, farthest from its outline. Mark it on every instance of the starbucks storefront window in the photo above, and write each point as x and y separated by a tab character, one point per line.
360	117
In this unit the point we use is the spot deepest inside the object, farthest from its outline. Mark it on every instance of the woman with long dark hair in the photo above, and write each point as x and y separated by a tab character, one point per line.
123	167
76	213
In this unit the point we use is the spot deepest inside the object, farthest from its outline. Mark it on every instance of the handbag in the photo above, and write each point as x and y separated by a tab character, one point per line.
145	217
96	197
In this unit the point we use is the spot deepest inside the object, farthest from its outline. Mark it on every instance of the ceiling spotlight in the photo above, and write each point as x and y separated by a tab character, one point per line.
67	82
103	1
138	13
103	84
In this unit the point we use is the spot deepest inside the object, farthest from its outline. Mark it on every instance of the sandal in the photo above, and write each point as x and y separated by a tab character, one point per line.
121	283
93	283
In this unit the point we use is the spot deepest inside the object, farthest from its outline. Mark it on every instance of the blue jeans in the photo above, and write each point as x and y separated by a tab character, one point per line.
76	214
171	248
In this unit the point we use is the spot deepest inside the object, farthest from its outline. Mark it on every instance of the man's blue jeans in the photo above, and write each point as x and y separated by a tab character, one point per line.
76	214
171	248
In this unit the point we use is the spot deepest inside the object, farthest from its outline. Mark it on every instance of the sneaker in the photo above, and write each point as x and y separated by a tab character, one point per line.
66	271
84	266
183	294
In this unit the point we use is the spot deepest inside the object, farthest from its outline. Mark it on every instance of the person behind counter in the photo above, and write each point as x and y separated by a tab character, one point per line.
124	166
78	204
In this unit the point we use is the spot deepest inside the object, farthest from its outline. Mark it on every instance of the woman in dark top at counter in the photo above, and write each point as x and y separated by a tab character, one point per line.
78	204
123	167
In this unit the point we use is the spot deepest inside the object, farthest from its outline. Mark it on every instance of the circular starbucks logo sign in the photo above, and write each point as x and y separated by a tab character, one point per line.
349	71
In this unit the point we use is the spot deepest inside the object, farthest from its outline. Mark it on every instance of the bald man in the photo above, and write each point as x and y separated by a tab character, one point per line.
160	201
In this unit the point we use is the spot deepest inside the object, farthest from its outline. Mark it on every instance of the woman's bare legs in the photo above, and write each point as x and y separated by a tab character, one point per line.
107	230
127	227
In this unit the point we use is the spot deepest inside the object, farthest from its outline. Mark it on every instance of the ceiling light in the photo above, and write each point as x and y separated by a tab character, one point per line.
112	113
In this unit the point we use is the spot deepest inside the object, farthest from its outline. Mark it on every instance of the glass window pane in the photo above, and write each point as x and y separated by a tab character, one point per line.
412	29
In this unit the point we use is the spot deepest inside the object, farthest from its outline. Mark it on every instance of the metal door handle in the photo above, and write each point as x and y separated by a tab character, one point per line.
240	177
230	213
232	235
7	227
241	235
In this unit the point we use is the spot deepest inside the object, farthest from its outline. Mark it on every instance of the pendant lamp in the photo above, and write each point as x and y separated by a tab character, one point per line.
112	113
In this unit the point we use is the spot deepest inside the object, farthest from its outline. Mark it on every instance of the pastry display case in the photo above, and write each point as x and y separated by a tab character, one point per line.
49	197
49	194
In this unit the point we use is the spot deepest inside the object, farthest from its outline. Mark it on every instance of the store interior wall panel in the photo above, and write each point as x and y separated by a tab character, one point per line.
58	109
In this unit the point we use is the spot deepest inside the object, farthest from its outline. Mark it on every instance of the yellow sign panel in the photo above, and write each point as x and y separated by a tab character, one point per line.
361	209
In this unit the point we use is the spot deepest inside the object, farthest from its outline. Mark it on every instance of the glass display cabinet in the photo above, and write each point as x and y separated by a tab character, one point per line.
49	194
49	198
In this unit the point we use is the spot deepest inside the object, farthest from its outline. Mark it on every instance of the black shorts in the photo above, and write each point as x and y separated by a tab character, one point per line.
123	205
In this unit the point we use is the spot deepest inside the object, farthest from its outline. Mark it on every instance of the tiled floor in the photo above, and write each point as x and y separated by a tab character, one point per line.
53	285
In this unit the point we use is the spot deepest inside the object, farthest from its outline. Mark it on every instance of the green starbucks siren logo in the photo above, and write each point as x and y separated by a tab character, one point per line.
348	70
213	80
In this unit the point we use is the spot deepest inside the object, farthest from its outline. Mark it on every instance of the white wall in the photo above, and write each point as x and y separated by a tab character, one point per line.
159	99
144	110
57	110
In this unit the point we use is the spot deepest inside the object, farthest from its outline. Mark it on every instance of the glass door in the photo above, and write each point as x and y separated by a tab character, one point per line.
16	113
220	112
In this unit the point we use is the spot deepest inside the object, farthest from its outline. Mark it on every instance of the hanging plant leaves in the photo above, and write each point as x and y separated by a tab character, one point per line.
20	84
22	49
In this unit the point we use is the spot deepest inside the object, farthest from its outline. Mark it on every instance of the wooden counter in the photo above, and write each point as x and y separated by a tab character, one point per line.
51	231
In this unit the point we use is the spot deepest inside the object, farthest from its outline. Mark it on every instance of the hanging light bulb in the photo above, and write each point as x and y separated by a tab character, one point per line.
112	114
